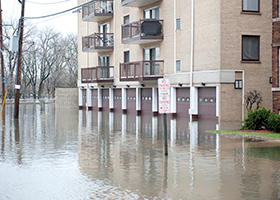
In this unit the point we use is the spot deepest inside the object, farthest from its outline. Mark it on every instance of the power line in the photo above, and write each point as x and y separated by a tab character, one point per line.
61	11
51	3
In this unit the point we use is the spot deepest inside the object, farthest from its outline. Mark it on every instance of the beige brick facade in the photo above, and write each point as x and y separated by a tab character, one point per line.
217	51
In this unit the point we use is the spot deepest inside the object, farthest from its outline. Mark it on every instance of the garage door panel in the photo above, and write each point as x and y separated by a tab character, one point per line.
183	102
94	99
207	103
117	99
131	100
105	99
146	100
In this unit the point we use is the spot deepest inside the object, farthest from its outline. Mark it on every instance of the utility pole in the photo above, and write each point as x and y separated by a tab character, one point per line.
2	61
18	75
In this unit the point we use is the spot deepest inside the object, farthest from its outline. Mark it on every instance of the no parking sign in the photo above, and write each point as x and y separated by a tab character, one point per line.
164	95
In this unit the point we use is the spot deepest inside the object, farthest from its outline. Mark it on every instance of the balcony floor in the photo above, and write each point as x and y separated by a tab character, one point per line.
98	17
138	3
142	39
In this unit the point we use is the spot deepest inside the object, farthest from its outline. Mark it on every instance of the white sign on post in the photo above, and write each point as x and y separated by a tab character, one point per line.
164	95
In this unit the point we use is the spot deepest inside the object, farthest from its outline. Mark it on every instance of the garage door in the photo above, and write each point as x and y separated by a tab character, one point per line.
207	103
131	100
183	102
94	99
105	99
118	100
146	100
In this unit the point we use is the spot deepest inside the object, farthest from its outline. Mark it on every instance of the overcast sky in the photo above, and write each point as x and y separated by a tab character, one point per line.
66	23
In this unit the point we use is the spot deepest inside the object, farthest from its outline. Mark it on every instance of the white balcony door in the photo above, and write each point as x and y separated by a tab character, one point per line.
152	13
151	68
104	38
104	62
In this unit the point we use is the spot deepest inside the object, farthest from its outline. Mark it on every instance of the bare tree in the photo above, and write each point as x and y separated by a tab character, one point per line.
253	97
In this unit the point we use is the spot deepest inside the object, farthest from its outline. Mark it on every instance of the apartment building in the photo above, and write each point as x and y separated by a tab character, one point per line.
275	56
213	53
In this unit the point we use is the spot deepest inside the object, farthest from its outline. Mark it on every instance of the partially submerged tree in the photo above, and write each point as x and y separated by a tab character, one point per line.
49	60
253	97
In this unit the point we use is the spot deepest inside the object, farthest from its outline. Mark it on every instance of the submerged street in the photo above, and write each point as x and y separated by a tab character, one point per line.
74	154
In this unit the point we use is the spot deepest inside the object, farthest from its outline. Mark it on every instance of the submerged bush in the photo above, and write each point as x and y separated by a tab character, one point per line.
256	120
274	122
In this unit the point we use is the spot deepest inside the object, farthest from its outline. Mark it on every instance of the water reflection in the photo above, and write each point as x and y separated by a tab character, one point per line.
71	154
199	164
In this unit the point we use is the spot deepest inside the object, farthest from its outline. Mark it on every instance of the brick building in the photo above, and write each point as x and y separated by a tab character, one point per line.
212	51
275	56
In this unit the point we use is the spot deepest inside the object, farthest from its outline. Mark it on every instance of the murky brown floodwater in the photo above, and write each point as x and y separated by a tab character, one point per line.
70	154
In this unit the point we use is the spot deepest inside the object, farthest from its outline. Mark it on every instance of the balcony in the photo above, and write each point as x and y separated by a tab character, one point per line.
141	70
142	31
99	74
98	11
137	3
98	42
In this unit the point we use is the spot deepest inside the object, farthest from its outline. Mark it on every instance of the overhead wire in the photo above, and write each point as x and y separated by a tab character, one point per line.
50	3
51	15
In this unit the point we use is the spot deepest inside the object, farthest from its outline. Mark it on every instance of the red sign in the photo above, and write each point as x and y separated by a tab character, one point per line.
164	95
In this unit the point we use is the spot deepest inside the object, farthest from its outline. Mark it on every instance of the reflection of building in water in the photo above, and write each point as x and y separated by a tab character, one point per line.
198	164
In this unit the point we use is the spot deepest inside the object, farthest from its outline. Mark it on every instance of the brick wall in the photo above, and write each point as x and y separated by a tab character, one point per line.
276	102
275	8
275	66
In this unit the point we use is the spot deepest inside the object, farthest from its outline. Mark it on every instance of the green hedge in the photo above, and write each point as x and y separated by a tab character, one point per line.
260	119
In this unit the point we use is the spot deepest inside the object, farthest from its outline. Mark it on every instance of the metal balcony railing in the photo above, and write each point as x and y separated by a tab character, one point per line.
98	41
97	74
143	29
141	70
97	7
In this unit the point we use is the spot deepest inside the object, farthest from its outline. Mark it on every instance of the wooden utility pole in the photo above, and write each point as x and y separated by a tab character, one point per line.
2	61
18	75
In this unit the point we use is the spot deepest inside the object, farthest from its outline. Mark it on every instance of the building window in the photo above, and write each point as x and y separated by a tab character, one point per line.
126	19
126	56
152	13
178	65
238	84
250	48
251	6
178	23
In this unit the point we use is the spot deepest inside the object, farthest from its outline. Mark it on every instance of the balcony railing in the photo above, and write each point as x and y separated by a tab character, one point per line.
141	70
98	11
98	42
98	74
142	31
137	3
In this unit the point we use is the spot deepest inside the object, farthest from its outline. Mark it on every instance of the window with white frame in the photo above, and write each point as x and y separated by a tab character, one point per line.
178	65
178	23
152	13
251	5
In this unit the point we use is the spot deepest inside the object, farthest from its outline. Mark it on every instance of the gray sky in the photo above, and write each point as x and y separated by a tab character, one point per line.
66	23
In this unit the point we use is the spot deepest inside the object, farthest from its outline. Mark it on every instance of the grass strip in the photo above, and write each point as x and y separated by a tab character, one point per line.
257	134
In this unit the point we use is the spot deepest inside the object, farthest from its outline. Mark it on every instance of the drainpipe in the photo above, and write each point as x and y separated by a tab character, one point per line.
192	44
175	37
192	99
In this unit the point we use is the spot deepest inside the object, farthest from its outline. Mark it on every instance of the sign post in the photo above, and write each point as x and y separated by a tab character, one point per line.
164	104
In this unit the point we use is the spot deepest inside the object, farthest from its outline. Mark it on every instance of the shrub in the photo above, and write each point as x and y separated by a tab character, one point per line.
274	122
256	120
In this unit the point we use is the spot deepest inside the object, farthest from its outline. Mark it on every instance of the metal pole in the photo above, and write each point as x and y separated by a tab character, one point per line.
18	75
165	134
2	62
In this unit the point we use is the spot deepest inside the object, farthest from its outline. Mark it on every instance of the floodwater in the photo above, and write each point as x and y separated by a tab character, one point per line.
71	154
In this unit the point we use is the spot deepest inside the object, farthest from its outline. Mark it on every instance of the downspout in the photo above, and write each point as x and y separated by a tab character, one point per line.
175	36
192	44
